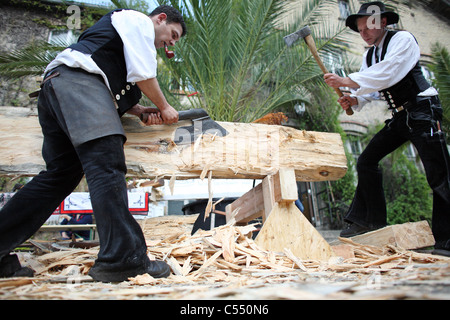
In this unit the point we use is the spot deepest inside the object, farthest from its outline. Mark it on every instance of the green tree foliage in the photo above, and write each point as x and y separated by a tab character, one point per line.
441	71
408	195
235	57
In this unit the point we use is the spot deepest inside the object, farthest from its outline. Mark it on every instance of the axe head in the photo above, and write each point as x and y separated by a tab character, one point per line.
201	124
300	34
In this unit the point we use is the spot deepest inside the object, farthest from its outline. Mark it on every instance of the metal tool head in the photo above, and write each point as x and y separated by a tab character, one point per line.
202	124
300	34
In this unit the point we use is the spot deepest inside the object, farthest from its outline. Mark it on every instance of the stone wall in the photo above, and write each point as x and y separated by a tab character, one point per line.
18	29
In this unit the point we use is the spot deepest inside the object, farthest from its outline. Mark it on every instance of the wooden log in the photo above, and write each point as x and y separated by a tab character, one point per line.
250	151
20	142
410	235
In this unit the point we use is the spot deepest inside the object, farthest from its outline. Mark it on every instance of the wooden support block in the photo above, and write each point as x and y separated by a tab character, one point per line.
410	235
286	227
285	185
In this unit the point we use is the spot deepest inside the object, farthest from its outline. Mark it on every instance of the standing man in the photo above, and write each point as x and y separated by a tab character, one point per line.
85	91
391	68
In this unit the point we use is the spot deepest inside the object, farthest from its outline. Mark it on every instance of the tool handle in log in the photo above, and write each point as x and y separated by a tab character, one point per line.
312	47
183	114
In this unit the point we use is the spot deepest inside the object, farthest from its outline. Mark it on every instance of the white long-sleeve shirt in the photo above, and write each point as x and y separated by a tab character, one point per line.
401	56
138	36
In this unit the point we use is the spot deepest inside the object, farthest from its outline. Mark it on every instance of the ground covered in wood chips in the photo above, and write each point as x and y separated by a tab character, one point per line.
224	263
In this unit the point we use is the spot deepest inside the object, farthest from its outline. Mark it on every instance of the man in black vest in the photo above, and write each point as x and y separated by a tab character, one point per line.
391	69
85	91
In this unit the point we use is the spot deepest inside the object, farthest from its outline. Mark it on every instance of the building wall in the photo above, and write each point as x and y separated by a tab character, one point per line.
18	29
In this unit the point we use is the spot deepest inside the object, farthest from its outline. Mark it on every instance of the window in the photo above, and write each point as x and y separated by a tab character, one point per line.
429	76
63	37
354	145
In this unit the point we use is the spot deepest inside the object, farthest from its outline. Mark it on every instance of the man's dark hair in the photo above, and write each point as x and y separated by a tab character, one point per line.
173	16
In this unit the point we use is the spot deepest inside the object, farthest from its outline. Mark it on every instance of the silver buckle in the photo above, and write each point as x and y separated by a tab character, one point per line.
397	110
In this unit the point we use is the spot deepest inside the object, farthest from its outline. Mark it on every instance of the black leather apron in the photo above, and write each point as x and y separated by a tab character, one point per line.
86	104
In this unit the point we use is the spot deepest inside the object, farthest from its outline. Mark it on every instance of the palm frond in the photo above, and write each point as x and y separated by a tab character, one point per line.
139	5
31	60
235	55
441	70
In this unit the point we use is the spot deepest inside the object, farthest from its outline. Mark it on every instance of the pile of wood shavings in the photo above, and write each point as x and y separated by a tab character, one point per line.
225	262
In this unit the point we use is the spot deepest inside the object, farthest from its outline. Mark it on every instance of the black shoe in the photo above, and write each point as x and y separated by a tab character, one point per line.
354	229
442	248
157	269
441	252
10	267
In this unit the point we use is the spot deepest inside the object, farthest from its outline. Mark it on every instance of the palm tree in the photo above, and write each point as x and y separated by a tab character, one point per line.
234	55
30	61
441	70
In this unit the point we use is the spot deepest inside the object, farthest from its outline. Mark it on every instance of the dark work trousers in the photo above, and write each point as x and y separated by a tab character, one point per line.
102	160
419	125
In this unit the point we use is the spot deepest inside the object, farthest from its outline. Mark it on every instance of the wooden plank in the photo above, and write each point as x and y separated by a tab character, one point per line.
249	151
410	235
250	206
268	196
287	228
259	201
69	227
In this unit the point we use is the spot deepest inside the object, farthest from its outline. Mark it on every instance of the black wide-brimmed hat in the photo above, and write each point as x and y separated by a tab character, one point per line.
368	9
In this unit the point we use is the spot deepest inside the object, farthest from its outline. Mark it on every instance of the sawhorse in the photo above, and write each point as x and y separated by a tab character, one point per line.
284	225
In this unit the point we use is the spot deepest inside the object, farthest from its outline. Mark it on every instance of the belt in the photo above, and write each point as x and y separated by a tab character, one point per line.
401	108
47	77
408	104
397	110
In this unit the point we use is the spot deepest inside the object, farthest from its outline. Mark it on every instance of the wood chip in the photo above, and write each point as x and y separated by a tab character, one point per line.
225	257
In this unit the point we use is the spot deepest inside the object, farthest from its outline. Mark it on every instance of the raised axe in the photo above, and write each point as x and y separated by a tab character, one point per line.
201	124
305	33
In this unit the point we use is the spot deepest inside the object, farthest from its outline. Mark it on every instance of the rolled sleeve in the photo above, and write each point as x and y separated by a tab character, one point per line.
138	36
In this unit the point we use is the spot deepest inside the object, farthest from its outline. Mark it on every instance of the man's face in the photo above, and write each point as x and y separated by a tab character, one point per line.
369	32
168	33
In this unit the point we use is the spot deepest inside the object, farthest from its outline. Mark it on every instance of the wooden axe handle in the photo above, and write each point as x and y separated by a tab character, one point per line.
312	47
191	114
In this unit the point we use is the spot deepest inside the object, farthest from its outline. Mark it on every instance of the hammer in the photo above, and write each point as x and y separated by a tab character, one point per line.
305	33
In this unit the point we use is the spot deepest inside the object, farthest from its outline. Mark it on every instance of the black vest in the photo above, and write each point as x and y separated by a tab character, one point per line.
406	89
106	48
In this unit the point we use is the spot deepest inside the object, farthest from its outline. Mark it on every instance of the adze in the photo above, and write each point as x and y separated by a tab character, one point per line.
201	124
